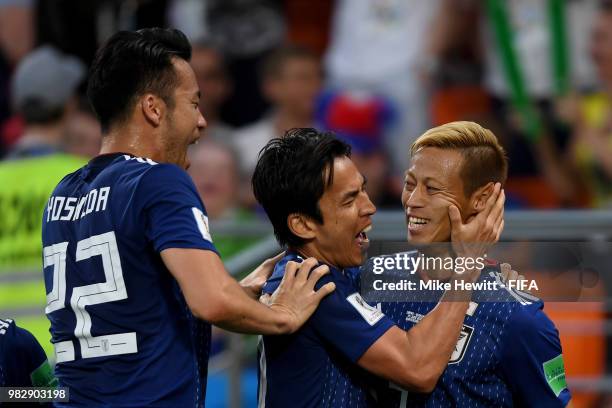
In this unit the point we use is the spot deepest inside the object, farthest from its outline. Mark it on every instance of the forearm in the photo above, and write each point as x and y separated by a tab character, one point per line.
213	295
239	312
433	339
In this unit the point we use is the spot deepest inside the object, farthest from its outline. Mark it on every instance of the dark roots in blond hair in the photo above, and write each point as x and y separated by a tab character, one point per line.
484	159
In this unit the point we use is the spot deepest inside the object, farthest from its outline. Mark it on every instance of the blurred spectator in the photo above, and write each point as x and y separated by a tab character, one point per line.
246	32
16	29
534	53
43	88
377	46
79	27
591	116
361	120
43	92
209	67
83	135
291	81
216	175
16	40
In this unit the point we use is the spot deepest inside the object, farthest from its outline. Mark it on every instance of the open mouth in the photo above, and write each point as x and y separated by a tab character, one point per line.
416	223
362	238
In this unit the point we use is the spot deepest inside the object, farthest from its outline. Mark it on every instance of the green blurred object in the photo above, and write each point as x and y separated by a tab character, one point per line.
560	58
521	101
25	187
28	294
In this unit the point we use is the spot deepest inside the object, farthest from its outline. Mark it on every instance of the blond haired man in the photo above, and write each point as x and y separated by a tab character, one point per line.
508	353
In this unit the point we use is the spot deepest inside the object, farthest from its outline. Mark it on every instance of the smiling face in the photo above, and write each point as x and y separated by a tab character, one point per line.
341	239
184	122
432	184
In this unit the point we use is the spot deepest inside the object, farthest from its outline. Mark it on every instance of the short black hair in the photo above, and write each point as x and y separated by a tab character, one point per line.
292	174
130	64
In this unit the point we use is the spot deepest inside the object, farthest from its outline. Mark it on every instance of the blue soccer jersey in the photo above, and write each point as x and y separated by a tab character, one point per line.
23	362
316	366
508	352
121	328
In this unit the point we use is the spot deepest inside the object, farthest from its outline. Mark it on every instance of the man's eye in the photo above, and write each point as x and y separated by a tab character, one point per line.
409	185
432	189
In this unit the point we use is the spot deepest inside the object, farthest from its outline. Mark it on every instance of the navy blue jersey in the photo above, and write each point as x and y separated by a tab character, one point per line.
316	366
121	328
508	352
23	362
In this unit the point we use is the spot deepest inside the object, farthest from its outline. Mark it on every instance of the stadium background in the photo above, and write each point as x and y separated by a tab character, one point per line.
377	72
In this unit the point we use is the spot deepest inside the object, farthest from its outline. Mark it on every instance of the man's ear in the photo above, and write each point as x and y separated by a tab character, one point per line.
153	108
479	198
301	226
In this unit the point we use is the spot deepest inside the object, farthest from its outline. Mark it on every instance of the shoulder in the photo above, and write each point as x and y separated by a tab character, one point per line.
279	271
14	338
530	317
153	176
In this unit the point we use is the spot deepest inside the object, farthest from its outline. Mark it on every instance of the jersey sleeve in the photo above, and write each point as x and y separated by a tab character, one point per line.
175	215
25	362
344	320
532	360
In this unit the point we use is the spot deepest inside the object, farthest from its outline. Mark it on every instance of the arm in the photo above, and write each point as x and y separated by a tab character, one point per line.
532	347
213	295
416	358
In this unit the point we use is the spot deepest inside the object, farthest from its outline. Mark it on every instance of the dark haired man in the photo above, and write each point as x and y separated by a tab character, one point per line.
132	275
316	201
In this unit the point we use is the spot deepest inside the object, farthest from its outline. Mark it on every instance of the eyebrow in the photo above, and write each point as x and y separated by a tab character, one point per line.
408	173
353	193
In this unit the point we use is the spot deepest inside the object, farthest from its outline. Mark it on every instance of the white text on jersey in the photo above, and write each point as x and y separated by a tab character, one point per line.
73	208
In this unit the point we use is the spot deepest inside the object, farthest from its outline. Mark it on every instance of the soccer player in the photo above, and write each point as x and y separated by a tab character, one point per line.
316	200
23	362
508	353
132	274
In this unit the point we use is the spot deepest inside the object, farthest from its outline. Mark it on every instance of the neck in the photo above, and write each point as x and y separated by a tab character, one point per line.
310	251
134	140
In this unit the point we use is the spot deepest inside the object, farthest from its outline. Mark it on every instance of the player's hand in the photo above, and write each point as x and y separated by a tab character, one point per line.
254	281
480	232
295	297
510	275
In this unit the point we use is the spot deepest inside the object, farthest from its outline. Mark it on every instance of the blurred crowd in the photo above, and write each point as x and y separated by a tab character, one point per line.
378	73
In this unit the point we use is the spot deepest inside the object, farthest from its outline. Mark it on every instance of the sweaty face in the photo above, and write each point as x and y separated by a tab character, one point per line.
184	122
432	184
346	208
